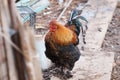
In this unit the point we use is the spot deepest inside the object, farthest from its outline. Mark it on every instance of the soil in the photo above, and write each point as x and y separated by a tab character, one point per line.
56	72
112	43
52	12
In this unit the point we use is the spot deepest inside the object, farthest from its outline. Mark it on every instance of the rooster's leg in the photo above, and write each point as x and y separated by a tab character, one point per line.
69	74
62	71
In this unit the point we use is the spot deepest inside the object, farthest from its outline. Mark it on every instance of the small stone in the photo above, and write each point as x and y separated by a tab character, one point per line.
100	29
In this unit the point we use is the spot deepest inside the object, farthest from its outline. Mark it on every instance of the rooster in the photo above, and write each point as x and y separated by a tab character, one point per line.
60	48
61	42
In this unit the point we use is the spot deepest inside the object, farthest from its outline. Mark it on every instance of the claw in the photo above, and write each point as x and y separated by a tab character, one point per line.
68	74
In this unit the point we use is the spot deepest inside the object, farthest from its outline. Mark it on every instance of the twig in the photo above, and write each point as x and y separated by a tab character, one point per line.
64	10
60	14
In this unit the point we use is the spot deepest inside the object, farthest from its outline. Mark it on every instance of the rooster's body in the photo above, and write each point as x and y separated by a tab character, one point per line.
61	41
60	48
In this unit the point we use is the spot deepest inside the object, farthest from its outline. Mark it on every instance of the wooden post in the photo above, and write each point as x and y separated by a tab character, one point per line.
17	48
10	66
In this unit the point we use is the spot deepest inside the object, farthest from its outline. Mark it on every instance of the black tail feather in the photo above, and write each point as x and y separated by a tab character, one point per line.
74	20
74	13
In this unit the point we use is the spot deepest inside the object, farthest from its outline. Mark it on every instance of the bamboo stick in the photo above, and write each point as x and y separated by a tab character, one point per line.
11	70
3	66
23	51
35	58
32	64
60	15
64	10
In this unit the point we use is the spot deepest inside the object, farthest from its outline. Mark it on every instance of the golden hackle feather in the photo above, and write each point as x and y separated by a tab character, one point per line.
62	35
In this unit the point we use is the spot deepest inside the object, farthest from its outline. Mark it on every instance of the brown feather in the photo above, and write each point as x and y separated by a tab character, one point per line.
60	45
62	35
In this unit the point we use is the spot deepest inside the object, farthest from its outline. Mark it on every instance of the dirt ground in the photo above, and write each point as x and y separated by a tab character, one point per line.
112	43
52	12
